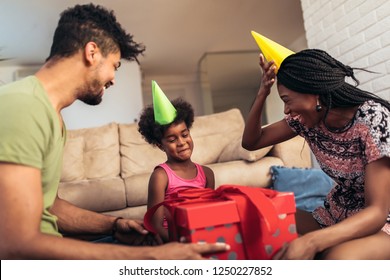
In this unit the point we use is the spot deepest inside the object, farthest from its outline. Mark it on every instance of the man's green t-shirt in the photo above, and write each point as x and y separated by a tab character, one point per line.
31	135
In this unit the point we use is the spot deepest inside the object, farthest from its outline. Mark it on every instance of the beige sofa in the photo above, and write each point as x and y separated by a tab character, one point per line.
107	168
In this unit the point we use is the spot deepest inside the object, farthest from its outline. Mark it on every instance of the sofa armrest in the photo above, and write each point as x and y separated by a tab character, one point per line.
294	152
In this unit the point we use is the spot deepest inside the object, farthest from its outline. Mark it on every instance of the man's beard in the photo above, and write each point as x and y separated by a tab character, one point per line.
90	94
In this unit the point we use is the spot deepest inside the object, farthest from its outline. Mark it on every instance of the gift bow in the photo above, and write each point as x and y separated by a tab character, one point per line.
254	207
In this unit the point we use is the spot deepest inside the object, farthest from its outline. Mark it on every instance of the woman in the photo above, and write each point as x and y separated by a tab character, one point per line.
348	131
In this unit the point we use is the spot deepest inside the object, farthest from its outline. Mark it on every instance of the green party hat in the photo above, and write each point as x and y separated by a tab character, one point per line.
164	112
271	50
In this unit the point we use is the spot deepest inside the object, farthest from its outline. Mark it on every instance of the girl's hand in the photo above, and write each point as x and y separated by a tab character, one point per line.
268	76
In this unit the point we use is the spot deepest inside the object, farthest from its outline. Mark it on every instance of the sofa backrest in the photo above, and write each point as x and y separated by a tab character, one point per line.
91	153
213	133
119	149
137	156
210	133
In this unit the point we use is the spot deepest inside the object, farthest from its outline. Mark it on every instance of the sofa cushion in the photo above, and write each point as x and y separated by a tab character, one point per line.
294	152
136	188
235	151
101	151
244	173
309	185
212	133
133	213
96	195
73	160
137	156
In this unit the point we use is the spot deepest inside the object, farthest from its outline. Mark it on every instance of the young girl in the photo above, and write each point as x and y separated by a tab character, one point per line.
179	171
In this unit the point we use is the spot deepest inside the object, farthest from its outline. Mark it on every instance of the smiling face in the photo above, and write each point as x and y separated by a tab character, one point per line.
300	104
102	76
177	142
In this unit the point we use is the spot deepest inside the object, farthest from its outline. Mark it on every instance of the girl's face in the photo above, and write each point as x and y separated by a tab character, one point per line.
300	104
177	142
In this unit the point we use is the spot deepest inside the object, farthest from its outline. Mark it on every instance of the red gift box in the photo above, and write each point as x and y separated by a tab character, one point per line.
213	221
255	222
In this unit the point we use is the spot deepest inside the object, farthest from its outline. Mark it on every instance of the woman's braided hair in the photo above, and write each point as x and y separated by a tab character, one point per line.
314	71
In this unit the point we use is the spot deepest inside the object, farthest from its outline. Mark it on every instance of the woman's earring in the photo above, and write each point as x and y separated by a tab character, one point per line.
318	106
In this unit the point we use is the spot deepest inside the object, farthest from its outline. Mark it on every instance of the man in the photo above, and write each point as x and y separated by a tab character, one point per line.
86	51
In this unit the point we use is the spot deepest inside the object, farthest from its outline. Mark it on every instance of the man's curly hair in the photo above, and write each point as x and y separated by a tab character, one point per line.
92	23
153	132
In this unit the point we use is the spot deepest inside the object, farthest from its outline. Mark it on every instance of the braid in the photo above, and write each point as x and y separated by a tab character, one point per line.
314	71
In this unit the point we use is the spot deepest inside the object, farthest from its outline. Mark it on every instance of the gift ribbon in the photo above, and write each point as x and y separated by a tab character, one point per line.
187	196
254	206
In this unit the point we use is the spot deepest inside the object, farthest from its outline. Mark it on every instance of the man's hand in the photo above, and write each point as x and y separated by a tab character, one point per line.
188	251
132	232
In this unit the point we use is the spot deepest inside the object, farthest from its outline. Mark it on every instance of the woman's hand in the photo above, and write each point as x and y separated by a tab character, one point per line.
301	248
268	76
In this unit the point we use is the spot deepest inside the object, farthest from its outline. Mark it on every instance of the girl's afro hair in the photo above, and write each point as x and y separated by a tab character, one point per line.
153	132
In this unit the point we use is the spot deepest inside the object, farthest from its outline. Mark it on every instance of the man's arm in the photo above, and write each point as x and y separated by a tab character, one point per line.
73	220
84	224
21	203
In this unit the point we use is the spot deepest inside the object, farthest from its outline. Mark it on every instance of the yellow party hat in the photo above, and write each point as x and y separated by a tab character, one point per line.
271	50
164	112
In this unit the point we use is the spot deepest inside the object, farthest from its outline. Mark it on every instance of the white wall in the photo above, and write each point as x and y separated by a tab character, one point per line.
185	86
7	73
121	103
357	32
